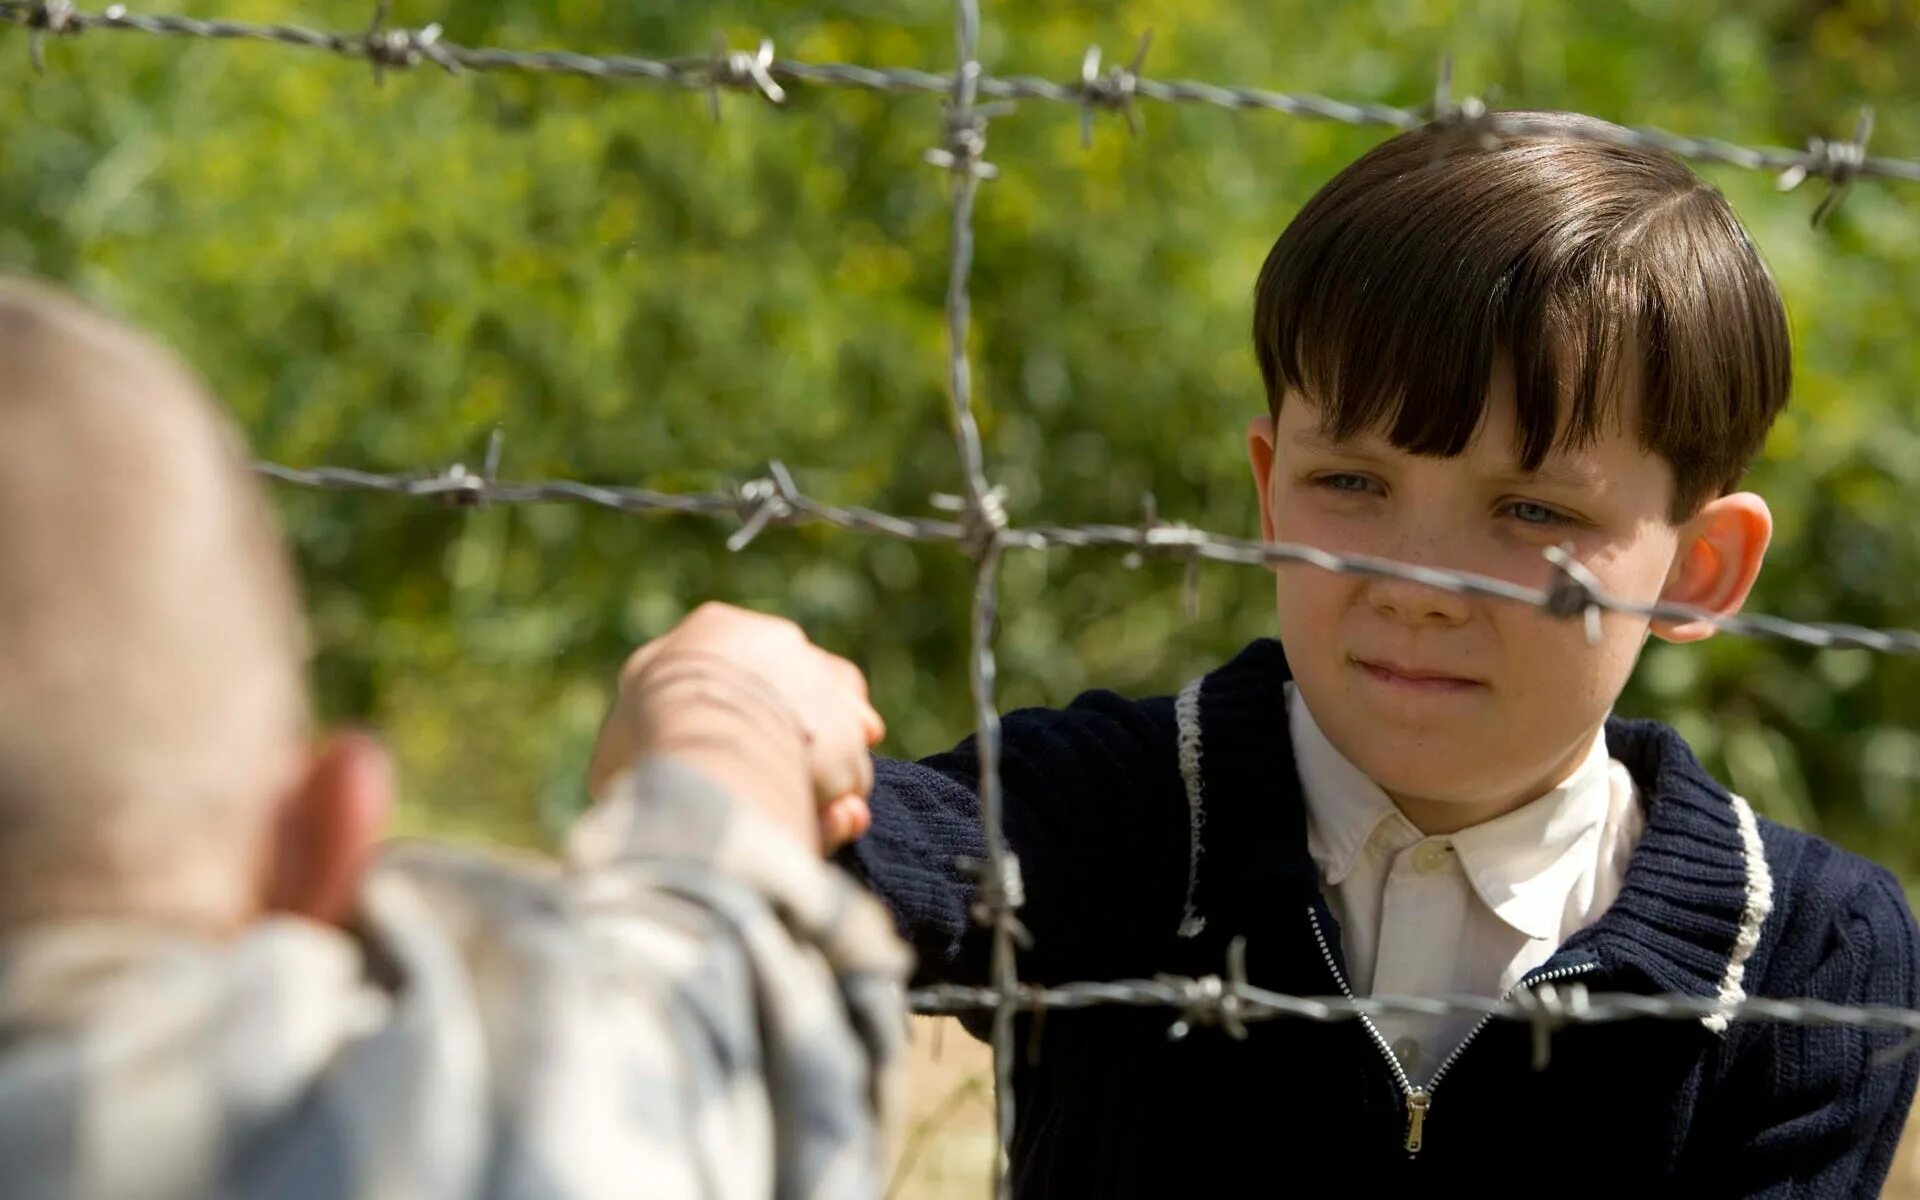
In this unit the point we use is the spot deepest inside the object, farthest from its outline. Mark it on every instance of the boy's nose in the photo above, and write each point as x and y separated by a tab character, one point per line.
1416	603
1421	538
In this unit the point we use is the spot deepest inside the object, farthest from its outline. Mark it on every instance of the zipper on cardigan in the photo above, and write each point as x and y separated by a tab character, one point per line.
1420	1100
1416	1099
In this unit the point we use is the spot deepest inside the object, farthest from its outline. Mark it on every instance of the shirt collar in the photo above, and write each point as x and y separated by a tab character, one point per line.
1522	865
1344	807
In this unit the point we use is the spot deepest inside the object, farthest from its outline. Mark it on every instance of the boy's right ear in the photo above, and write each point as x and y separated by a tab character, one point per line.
326	830
1260	437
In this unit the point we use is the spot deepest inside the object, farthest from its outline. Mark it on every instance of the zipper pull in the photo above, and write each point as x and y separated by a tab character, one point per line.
1417	1103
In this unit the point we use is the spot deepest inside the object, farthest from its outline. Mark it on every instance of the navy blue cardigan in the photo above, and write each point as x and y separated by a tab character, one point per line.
1134	865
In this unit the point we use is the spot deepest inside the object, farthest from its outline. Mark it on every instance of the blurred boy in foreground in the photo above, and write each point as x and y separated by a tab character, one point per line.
210	983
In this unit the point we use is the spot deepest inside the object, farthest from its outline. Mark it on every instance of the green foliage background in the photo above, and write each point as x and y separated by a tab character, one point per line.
377	277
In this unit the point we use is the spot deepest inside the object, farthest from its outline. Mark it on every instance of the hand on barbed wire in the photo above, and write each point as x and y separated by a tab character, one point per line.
747	699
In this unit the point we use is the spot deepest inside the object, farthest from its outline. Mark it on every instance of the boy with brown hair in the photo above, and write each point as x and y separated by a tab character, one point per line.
1471	355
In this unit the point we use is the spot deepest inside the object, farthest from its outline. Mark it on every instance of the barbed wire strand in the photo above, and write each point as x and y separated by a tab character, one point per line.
1229	1002
761	72
776	500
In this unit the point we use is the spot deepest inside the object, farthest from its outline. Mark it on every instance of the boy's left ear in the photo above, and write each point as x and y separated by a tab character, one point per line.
1717	561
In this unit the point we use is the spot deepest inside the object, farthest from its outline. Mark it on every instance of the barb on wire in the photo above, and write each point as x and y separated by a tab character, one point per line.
465	489
1547	1009
1190	576
1149	521
984	520
1839	163
1575	591
44	18
1117	89
772	499
999	889
963	152
1842	163
399	49
1211	1000
740	71
496	447
1469	117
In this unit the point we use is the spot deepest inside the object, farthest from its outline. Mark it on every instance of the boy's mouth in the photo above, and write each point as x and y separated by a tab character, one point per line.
1414	678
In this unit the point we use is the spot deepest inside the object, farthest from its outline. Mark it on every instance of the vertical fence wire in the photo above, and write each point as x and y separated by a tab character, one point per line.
985	521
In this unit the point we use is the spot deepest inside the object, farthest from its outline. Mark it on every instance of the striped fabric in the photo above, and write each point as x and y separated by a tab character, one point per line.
690	1006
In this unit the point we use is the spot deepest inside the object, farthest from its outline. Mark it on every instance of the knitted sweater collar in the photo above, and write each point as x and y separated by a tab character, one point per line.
1696	887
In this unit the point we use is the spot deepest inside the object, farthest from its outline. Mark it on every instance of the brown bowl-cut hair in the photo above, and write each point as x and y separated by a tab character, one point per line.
1389	299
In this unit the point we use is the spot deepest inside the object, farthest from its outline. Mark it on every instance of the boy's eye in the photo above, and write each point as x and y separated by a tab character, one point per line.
1346	481
1528	512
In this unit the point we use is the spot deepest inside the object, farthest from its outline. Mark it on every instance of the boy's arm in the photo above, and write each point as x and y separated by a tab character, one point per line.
1810	1113
759	1013
1094	809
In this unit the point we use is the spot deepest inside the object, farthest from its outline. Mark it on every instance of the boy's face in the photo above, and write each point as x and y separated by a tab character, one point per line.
1463	708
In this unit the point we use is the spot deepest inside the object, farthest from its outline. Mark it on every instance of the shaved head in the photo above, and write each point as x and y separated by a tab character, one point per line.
151	699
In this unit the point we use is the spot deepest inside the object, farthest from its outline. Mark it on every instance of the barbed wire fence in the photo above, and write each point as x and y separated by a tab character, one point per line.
976	521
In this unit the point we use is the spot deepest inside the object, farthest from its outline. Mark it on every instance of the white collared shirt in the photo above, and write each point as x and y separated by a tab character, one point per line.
1463	913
